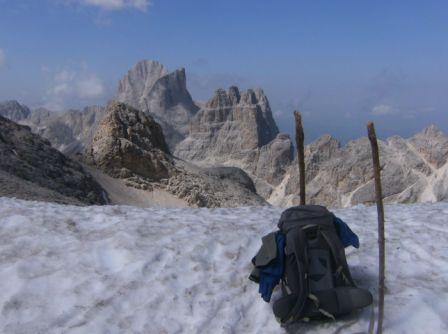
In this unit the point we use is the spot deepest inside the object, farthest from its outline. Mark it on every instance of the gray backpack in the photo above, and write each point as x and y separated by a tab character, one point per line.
316	282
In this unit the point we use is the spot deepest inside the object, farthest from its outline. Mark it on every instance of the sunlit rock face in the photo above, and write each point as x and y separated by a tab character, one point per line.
237	129
128	141
150	87
413	170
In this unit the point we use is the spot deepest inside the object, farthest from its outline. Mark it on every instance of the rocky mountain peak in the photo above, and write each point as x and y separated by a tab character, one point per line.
149	87
14	111
323	148
432	131
249	97
237	129
432	144
168	91
139	81
220	99
234	95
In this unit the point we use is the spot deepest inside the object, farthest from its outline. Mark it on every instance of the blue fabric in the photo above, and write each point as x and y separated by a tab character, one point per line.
271	273
347	236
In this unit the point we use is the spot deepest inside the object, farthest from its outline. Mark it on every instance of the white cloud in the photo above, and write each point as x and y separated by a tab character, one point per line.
67	86
141	5
90	87
383	109
2	58
60	89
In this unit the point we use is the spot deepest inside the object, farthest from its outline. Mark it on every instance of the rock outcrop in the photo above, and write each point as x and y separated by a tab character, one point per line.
130	145
31	162
213	187
237	129
128	142
149	87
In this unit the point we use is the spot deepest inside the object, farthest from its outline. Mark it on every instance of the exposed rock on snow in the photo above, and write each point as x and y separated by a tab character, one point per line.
149	87
28	157
119	269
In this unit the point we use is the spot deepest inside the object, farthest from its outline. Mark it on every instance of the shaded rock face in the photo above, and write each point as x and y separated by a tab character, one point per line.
413	170
127	142
149	87
69	132
14	111
31	158
237	129
232	173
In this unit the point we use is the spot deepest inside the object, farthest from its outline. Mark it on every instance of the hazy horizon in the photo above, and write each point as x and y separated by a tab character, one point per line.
340	64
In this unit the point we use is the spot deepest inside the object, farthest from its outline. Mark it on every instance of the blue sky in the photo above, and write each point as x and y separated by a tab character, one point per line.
341	63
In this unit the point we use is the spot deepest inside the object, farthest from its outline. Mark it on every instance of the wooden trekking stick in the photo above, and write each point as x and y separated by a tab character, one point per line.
300	137
380	211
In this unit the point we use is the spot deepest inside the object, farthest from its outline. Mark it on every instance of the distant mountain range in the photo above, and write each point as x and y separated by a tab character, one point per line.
236	129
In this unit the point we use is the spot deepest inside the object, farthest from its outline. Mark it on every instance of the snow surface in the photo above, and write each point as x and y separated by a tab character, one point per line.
121	269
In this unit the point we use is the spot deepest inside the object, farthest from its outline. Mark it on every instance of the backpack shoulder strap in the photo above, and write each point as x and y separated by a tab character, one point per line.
337	249
290	308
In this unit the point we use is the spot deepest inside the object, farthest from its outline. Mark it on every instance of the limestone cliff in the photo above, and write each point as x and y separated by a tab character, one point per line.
237	129
149	87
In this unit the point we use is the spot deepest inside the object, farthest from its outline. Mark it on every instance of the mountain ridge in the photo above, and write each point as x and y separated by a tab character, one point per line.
237	129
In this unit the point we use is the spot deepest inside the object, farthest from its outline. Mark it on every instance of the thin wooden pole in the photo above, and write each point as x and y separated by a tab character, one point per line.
380	211
300	137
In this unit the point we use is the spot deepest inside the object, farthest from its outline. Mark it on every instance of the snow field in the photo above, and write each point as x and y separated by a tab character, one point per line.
121	269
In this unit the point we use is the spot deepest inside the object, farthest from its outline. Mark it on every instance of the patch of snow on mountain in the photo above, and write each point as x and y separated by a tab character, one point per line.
121	269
